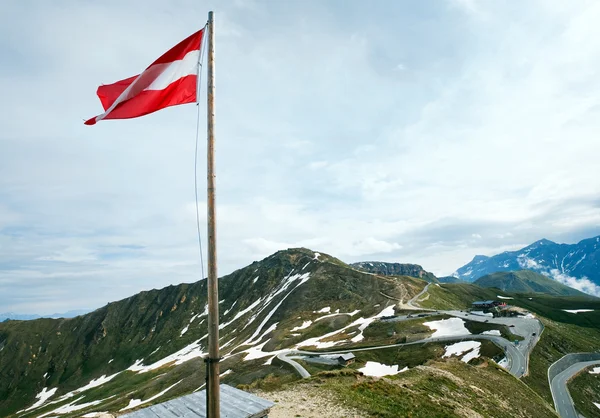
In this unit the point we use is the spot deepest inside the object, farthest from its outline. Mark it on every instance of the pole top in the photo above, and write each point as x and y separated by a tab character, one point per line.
210	16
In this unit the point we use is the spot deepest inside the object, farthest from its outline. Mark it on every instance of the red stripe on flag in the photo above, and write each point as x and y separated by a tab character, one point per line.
179	92
110	92
179	51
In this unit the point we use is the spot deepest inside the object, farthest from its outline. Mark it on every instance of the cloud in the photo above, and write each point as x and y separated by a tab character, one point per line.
582	284
491	126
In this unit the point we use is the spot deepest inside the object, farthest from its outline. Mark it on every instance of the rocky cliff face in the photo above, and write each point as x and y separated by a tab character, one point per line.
395	269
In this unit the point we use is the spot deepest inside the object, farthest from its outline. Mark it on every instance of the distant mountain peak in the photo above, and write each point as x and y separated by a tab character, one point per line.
541	242
479	258
575	265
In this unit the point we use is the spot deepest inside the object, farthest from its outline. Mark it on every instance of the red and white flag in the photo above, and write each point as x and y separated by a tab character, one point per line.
170	80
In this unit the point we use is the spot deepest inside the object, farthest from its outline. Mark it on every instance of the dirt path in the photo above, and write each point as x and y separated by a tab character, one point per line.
306	401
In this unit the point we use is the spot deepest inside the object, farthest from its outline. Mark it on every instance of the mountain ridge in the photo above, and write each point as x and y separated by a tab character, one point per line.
575	265
27	317
525	281
395	269
143	344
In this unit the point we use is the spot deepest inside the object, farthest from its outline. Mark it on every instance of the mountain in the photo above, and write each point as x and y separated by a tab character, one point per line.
526	281
395	269
149	348
566	263
450	279
26	317
139	347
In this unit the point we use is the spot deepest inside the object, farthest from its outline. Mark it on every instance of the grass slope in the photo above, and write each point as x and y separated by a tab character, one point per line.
563	333
68	353
439	389
585	391
456	296
526	281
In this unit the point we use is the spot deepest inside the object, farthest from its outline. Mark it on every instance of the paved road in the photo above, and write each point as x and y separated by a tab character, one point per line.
413	300
528	328
517	355
285	358
516	361
562	399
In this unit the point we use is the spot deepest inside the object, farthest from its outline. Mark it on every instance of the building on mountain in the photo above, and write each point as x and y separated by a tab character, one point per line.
235	403
346	359
487	304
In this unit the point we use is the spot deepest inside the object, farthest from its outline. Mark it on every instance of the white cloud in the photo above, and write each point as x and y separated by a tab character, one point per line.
583	284
491	127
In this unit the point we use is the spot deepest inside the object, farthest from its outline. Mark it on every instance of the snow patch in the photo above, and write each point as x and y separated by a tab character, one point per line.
469	347
595	370
137	402
504	297
42	397
183	331
597	404
189	352
304	325
362	322
229	310
317	255
492	332
71	407
447	327
576	311
326	309
373	368
503	363
290	279
255	280
241	313
97	382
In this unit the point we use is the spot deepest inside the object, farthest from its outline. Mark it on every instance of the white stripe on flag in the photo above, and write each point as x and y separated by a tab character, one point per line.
175	70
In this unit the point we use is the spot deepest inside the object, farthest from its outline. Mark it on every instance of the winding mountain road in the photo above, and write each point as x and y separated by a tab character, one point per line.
516	361
413	300
516	355
560	373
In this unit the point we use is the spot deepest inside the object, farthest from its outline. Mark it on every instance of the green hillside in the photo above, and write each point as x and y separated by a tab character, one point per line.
148	348
585	391
165	331
439	388
526	281
456	296
564	332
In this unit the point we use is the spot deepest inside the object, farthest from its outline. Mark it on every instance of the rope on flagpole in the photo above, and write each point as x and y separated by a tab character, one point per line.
198	89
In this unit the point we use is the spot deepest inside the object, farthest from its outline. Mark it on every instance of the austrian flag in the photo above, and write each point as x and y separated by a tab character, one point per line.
170	80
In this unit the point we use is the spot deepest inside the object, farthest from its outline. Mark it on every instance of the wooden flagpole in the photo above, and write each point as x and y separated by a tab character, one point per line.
212	387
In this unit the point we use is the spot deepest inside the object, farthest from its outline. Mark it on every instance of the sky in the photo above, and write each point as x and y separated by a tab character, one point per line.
420	132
